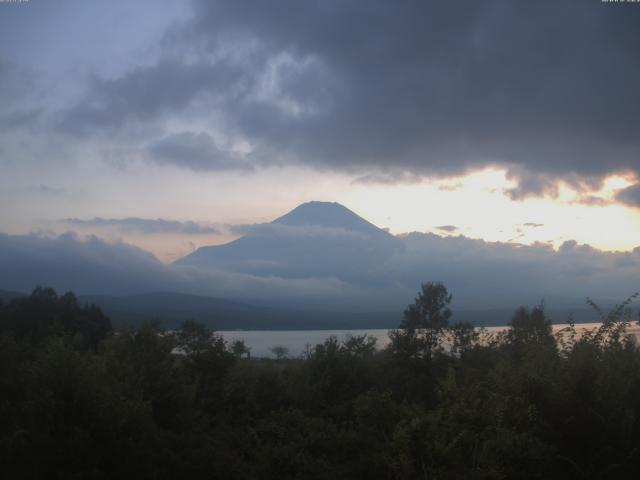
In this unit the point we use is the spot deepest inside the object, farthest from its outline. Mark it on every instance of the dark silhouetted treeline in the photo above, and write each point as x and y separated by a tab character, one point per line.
442	401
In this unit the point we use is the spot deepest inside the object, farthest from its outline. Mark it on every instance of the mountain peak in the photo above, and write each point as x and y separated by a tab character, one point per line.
326	214
321	239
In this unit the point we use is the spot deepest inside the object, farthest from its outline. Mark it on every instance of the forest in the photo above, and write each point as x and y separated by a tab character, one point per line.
444	400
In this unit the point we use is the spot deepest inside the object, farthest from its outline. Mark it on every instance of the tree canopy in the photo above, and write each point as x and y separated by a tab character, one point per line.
78	400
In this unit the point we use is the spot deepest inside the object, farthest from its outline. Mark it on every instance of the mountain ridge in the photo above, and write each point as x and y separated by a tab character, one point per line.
315	239
171	308
327	214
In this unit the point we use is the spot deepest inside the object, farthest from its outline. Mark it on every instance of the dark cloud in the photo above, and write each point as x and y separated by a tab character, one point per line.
68	263
145	225
144	94
545	88
532	185
93	266
393	177
480	274
593	200
630	195
14	80
447	228
19	91
24	118
495	273
196	151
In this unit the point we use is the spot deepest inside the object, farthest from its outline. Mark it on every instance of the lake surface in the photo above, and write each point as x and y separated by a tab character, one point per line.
296	341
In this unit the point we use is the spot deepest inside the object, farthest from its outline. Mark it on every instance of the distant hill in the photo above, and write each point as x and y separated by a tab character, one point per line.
318	259
316	239
7	295
173	308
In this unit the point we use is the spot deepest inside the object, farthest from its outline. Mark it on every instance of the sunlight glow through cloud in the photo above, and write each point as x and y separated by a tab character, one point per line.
478	207
225	113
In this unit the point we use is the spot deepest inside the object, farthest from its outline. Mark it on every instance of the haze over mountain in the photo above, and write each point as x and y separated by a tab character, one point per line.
173	308
328	241
316	239
165	126
322	257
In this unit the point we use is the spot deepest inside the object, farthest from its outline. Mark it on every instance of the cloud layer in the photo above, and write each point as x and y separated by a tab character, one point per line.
480	274
145	225
546	89
630	195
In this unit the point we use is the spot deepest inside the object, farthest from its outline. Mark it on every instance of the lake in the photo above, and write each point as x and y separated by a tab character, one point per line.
261	341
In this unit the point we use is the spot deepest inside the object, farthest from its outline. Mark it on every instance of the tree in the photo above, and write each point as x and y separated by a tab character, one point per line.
207	361
280	352
463	336
360	345
43	313
531	327
240	349
430	311
424	320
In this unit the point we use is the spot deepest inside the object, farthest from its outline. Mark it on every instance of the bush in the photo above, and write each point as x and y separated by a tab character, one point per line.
442	401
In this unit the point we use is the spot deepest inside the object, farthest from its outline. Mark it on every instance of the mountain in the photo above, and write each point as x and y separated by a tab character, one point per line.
316	239
328	215
320	257
8	295
171	308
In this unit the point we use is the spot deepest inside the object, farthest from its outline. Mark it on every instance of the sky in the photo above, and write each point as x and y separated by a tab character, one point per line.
165	124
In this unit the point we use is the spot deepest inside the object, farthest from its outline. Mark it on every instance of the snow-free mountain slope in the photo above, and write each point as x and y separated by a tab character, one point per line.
327	215
316	239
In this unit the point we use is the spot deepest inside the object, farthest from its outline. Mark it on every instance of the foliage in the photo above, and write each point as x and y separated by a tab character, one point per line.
280	352
44	313
78	400
423	324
